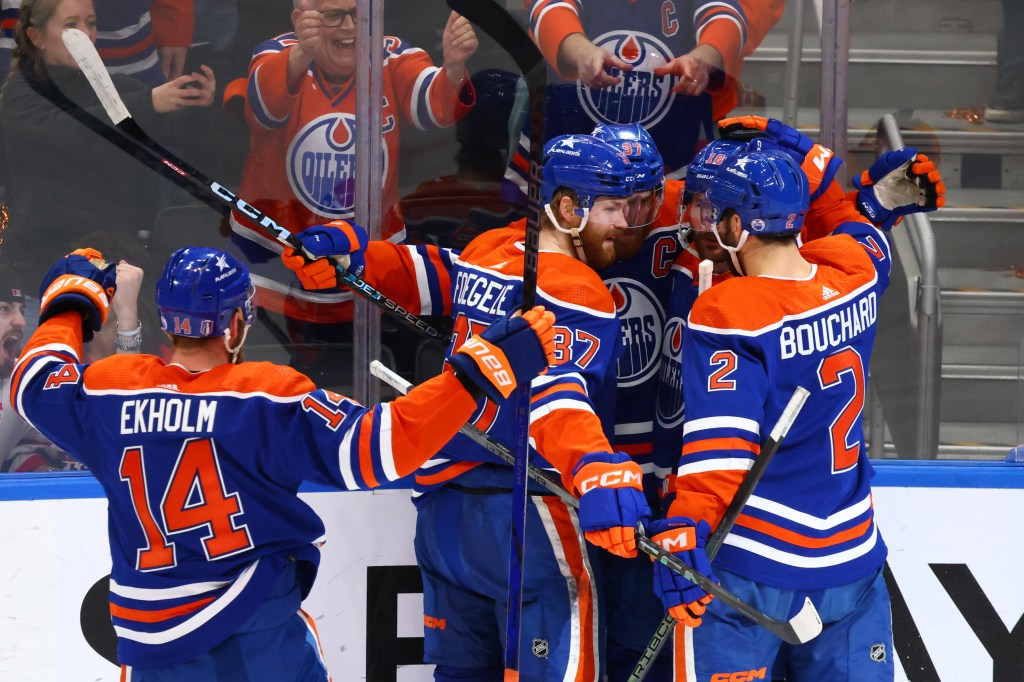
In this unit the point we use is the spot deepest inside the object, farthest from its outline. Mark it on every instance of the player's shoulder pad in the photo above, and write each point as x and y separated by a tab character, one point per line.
260	377
488	242
850	247
741	304
569	282
122	371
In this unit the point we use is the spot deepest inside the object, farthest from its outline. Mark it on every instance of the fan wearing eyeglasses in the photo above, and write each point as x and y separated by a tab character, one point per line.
301	112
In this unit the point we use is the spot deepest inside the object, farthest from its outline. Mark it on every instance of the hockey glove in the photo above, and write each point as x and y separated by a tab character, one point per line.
512	350
612	502
819	163
324	246
685	539
80	281
899	183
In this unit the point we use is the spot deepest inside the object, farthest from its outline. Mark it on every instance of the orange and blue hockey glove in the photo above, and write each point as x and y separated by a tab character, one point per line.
80	281
899	183
324	246
512	350
819	163
612	502
685	539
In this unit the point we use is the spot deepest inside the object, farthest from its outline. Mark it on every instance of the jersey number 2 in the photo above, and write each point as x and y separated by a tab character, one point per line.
195	499
833	372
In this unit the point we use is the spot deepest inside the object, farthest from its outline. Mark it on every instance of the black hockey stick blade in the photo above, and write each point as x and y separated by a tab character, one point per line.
801	628
198	184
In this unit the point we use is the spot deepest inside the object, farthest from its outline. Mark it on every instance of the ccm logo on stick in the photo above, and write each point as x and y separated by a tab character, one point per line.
487	360
611	479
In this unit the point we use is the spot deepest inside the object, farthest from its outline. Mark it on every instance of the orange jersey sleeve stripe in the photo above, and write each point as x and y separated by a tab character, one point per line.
486	418
800	540
551	22
423	421
448	474
141	616
563	436
707	444
270	73
570	386
705	495
365	450
635	449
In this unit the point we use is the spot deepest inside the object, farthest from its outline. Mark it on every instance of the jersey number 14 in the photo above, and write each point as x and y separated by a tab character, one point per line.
195	499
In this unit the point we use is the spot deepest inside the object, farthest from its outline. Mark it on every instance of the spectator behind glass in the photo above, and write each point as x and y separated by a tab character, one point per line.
1007	103
22	448
64	180
671	66
300	108
451	210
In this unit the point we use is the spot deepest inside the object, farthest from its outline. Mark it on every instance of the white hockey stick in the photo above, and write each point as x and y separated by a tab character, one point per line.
704	271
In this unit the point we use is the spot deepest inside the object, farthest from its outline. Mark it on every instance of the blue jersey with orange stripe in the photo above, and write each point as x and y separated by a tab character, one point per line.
749	343
641	288
570	404
201	471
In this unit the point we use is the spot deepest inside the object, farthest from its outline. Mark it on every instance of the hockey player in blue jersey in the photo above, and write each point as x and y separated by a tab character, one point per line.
797	316
201	459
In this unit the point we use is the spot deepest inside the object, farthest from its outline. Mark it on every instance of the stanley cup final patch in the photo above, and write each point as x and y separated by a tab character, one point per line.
878	653
540	648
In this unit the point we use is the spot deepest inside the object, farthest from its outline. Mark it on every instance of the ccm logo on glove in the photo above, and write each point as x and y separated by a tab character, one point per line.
677	541
616	478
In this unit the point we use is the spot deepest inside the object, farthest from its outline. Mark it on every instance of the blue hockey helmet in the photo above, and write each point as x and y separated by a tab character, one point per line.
200	290
767	189
706	164
638	145
588	166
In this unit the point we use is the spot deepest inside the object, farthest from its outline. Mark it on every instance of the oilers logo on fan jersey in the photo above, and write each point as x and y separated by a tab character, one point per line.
322	162
641	318
670	381
640	97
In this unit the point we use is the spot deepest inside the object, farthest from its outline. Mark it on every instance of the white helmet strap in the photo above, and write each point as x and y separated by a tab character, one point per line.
734	251
233	352
573	232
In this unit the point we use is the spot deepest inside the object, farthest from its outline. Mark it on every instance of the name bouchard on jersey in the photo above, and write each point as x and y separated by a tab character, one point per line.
167	414
486	295
831	330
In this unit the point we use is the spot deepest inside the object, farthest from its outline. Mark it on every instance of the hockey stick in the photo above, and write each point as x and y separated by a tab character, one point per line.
739	500
212	193
499	24
801	628
397	382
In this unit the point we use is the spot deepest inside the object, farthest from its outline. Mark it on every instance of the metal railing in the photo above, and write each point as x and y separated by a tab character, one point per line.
909	391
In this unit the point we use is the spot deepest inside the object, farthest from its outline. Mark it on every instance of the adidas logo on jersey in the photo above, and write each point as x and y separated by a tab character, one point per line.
827	293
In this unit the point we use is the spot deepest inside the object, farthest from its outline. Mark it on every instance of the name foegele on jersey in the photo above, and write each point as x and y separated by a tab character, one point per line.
829	330
483	292
183	415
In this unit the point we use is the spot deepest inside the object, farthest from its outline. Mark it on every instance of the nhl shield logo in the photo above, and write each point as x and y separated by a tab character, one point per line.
878	653
539	647
641	318
321	165
640	97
